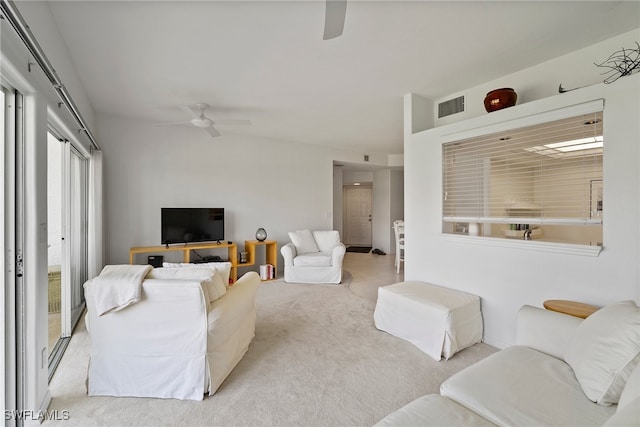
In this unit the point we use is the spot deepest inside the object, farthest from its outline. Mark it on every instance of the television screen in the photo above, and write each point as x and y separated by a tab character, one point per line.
185	225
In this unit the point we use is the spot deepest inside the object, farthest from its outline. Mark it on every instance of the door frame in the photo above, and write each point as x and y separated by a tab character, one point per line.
8	375
345	222
74	260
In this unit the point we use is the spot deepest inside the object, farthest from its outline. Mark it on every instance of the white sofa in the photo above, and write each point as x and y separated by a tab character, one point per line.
313	257
180	340
563	371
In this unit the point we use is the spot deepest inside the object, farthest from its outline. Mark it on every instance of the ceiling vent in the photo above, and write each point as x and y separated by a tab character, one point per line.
452	106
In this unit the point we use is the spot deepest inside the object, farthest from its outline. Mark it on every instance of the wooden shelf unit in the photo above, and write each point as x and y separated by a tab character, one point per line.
271	253
232	252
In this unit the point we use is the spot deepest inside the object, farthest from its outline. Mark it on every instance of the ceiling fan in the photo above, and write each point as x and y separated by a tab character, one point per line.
335	12
201	121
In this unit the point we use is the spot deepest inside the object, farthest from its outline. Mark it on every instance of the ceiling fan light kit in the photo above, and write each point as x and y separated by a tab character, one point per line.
201	121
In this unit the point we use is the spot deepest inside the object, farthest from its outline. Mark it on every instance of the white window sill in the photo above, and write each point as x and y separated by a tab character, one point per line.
533	245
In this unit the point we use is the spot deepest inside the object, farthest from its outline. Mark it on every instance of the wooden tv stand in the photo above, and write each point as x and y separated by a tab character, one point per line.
232	252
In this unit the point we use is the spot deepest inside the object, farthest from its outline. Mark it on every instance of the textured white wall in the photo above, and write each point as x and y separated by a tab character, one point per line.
507	278
380	210
388	196
363	177
396	207
38	16
280	186
573	70
338	202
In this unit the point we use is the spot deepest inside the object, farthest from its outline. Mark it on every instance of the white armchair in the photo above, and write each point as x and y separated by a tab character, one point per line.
313	257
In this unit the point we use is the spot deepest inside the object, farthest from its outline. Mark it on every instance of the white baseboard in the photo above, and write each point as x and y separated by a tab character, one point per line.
495	343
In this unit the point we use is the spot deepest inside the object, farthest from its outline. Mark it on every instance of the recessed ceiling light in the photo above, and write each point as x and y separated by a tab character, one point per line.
577	144
559	149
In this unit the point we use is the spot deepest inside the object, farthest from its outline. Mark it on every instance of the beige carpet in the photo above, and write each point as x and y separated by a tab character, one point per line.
316	360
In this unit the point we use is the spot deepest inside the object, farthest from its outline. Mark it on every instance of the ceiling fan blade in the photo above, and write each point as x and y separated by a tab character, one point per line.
334	18
171	124
212	131
233	122
190	111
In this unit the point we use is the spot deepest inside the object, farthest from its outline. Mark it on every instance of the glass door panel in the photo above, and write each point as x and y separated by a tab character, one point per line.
67	196
77	238
55	240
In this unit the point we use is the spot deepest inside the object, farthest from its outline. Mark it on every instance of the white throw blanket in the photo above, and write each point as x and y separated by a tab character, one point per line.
118	286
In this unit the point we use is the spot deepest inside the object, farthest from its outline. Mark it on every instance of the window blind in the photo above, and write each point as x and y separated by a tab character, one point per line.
547	173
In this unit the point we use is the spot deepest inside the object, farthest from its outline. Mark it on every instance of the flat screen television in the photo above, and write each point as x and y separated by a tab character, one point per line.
187	225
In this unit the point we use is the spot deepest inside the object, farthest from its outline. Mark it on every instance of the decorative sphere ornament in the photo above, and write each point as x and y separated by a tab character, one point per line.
261	234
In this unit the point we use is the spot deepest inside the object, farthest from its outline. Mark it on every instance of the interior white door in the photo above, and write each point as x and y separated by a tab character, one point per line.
357	216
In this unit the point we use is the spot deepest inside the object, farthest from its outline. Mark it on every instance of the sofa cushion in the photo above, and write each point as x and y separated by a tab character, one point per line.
229	313
631	390
520	386
223	267
212	279
605	350
303	241
318	259
215	286
433	410
627	416
326	239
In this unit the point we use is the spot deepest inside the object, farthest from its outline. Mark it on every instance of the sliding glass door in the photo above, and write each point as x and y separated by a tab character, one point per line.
67	177
76	262
55	238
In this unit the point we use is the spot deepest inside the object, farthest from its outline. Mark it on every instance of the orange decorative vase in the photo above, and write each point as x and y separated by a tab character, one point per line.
498	99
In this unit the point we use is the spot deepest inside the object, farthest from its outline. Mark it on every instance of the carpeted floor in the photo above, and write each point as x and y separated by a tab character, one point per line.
317	360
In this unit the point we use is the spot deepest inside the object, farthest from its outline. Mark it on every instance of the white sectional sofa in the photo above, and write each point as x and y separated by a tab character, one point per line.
180	339
563	371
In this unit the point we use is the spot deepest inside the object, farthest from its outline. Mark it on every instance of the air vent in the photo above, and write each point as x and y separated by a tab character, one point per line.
452	106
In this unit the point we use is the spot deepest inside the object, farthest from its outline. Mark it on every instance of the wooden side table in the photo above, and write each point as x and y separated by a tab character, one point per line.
271	255
572	308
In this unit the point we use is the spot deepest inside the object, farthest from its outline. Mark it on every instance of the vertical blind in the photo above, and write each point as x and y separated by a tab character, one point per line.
547	173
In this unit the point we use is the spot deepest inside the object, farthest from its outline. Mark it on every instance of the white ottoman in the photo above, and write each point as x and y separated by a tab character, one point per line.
437	320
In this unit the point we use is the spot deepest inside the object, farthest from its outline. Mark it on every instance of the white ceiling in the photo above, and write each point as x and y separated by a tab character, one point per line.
266	60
